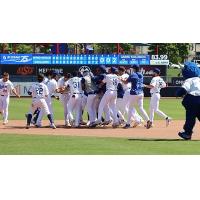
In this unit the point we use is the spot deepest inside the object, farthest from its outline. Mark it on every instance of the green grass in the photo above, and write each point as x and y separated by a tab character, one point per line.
18	107
173	72
65	145
12	144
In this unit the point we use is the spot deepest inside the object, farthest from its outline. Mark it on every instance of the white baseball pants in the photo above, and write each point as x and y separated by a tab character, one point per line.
154	106
4	103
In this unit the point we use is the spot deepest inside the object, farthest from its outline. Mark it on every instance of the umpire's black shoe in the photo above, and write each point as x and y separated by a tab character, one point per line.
185	135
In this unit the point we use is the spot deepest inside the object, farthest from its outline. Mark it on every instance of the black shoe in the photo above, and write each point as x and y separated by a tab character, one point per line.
185	135
149	124
127	126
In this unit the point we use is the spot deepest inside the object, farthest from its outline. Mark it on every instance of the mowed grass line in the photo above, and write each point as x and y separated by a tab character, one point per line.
67	145
18	108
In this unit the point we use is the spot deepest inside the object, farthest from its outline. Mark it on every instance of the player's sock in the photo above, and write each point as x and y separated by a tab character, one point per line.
36	116
50	118
29	117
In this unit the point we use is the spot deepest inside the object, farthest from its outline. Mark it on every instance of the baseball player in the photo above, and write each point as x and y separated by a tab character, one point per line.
74	104
6	86
110	97
64	95
100	73
39	93
136	96
53	88
91	92
125	102
157	83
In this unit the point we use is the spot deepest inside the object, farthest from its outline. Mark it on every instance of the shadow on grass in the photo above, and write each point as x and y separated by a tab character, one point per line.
160	139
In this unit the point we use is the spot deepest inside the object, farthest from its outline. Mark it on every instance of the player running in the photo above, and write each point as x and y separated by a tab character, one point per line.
157	83
53	88
6	86
39	93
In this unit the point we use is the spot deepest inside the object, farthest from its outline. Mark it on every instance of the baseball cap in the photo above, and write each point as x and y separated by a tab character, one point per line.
156	70
135	66
113	69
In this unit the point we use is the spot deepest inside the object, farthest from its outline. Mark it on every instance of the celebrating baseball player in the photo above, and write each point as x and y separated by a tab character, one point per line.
64	95
74	104
39	93
136	96
6	86
53	88
110	97
91	92
125	102
157	83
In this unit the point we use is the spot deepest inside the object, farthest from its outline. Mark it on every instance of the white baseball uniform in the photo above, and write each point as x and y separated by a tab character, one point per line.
75	100
39	93
52	86
5	89
110	96
64	98
157	83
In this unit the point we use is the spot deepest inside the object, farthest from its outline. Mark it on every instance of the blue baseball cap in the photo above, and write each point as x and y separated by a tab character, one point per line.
156	70
136	66
113	69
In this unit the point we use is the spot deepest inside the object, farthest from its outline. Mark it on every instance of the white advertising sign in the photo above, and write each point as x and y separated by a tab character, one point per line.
22	88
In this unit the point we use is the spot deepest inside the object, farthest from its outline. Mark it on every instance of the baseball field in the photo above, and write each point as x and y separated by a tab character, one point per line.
16	140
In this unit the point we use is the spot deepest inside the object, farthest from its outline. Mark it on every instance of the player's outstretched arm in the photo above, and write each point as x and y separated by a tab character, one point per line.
16	94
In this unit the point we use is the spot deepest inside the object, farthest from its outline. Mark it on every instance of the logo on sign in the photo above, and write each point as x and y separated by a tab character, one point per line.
21	58
26	70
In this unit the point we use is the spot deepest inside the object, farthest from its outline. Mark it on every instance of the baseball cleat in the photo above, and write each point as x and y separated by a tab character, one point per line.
27	126
127	126
137	124
168	120
5	122
38	125
53	126
105	123
149	124
83	123
121	121
185	135
115	125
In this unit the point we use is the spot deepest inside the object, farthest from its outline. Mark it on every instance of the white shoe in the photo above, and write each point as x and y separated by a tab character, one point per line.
53	126
5	122
168	121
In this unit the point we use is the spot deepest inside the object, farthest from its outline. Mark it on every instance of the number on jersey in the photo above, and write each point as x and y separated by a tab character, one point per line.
39	91
76	85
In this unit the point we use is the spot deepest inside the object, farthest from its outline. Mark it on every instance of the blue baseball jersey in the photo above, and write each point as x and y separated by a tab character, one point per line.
120	91
136	80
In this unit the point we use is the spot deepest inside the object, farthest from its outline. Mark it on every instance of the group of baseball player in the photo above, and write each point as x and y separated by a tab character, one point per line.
108	95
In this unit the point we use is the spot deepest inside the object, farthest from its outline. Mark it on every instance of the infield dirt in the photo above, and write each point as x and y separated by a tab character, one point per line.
159	131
